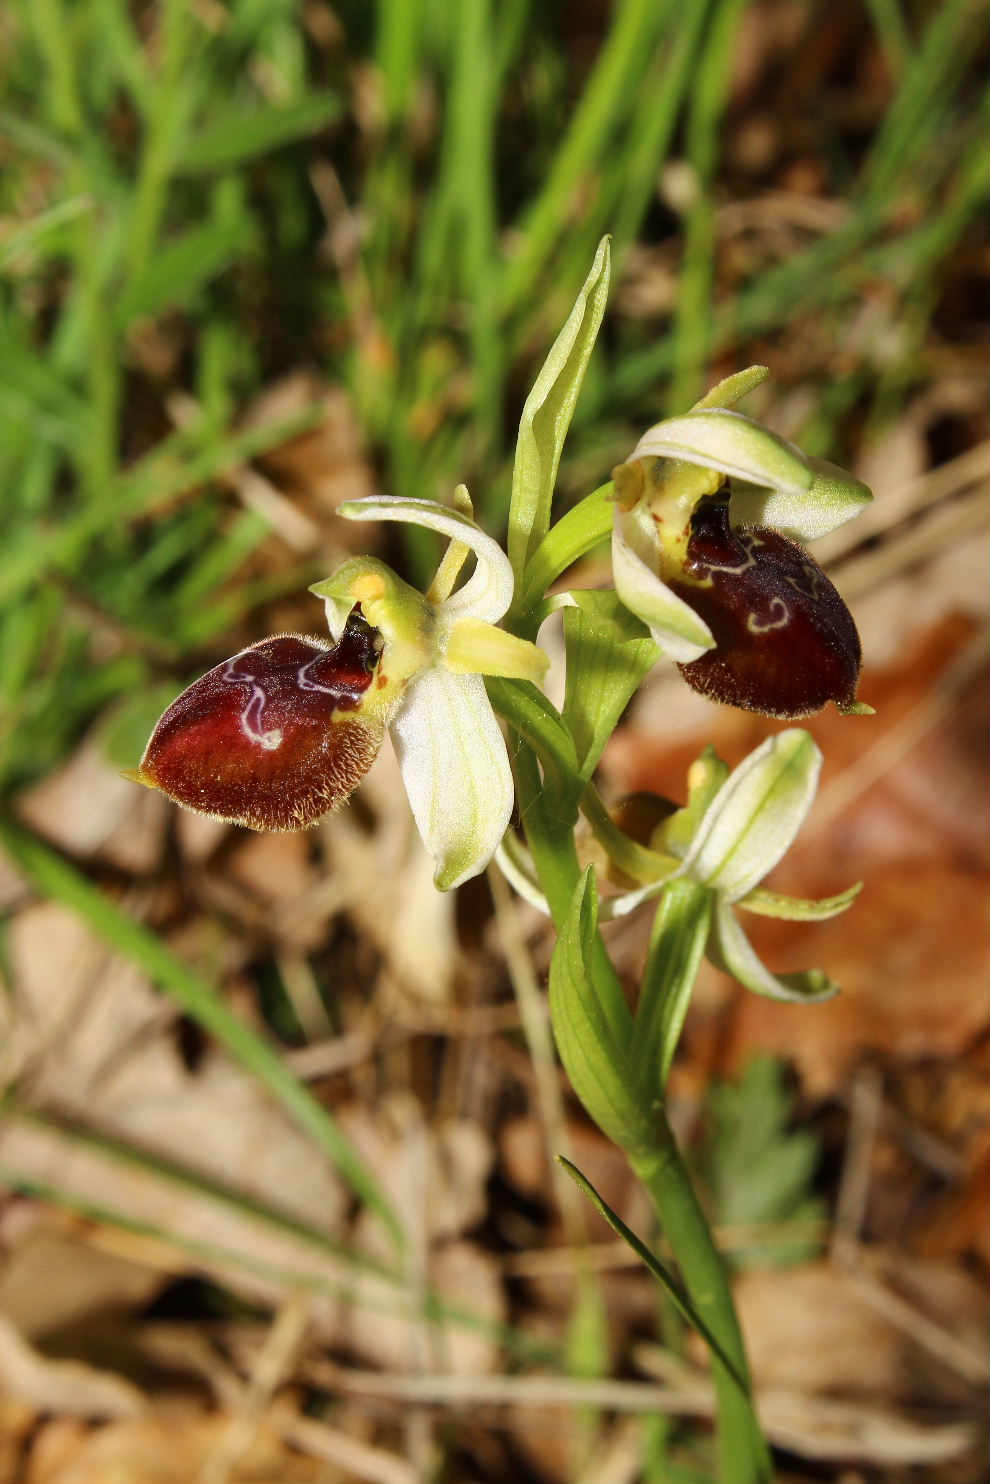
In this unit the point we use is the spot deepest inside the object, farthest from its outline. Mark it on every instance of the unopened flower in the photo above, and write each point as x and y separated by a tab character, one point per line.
706	511
281	734
735	828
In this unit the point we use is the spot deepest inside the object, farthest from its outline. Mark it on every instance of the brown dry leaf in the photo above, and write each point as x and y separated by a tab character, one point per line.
436	1178
52	1281
324	466
86	807
66	1386
916	993
821	1330
165	1449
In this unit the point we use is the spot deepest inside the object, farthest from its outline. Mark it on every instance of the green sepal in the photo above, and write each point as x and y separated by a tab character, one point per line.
547	415
600	1071
798	909
729	949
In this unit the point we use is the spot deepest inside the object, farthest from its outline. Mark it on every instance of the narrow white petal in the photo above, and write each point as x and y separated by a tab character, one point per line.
755	815
456	771
675	626
835	497
732	951
488	591
733	443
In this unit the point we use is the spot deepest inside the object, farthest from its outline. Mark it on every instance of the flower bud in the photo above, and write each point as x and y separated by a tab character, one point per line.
277	736
785	642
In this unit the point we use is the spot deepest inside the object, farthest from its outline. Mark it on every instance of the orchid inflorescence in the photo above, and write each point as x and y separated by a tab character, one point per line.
706	517
279	735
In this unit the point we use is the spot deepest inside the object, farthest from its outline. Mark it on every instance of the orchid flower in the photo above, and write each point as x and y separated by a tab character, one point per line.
735	828
707	509
281	734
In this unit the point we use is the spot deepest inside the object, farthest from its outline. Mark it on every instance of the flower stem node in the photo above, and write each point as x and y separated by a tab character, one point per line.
749	617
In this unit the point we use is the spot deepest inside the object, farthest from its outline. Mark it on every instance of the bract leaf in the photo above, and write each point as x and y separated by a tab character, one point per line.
663	1275
677	945
547	415
731	389
598	1067
608	654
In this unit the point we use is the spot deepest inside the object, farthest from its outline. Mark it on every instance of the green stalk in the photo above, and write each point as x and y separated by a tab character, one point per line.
744	1457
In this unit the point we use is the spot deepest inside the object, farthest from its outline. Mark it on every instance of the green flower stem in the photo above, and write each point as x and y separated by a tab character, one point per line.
744	1456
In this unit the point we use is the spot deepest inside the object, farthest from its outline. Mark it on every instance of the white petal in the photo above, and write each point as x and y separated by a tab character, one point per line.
835	497
674	625
732	951
488	591
755	815
733	443
456	770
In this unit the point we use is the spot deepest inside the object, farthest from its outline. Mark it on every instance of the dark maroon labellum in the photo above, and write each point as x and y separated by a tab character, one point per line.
272	738
785	642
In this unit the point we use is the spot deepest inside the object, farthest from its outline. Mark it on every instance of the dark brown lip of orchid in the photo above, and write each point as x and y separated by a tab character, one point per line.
785	642
273	738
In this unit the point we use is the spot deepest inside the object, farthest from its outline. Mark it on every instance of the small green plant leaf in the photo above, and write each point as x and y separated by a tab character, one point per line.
663	1275
760	1170
547	416
174	275
599	1069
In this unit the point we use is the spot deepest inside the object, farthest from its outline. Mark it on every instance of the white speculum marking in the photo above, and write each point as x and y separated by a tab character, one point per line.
749	545
778	618
252	713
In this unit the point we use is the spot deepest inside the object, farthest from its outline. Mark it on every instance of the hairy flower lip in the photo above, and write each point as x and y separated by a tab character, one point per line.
275	737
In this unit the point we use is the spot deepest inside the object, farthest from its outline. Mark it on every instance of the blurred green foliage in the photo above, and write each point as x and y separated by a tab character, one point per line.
196	199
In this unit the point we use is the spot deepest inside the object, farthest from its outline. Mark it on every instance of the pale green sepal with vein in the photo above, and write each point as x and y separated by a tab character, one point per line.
456	771
755	816
835	497
673	624
599	1069
732	951
798	909
732	443
547	415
